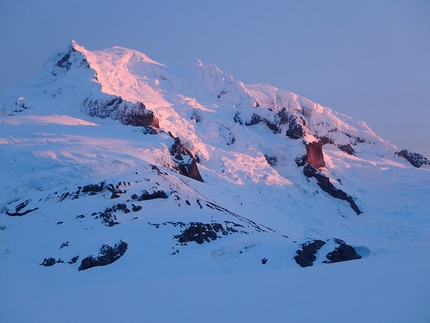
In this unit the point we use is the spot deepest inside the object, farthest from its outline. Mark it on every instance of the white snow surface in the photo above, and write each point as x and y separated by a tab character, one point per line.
50	148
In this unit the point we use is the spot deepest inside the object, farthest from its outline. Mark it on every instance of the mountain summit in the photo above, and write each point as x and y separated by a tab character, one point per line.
111	157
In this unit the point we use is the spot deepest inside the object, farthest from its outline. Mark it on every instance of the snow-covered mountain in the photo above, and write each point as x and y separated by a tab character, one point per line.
111	158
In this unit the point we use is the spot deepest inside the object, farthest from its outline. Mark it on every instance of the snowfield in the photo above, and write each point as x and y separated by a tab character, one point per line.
389	288
132	191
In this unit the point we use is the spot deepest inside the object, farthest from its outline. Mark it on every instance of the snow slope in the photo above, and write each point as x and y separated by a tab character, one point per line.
93	150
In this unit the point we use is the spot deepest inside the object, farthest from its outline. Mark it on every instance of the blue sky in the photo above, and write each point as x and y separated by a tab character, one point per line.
367	59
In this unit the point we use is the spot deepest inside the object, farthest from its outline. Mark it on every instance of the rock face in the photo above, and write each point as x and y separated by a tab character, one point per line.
306	256
348	148
325	184
128	113
185	162
295	129
256	119
106	256
314	154
278	121
308	252
342	252
416	160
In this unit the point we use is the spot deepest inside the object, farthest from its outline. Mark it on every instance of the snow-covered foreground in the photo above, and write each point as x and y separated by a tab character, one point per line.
393	287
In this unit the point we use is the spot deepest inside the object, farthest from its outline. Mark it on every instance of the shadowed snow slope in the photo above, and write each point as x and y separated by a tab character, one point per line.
120	175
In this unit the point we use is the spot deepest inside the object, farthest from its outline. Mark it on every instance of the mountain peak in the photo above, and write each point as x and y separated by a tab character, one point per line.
73	44
111	159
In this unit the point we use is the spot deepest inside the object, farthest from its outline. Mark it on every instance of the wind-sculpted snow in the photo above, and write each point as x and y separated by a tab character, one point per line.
111	158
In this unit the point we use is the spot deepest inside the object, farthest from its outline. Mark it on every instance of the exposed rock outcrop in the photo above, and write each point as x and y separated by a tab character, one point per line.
306	255
301	161
150	196
271	160
308	252
106	256
349	149
325	184
295	128
128	113
90	189
185	162
48	262
256	119
343	252
314	154
108	216
281	118
205	232
416	159
73	260
19	209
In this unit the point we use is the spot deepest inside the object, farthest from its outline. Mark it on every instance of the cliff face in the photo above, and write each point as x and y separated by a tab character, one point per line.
185	162
325	184
128	113
314	154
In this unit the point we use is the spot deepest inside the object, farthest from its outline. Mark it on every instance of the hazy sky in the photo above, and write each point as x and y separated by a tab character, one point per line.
367	59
